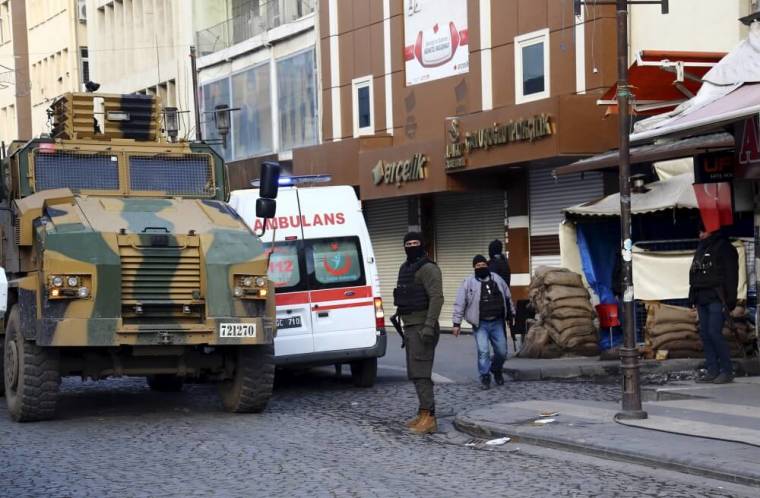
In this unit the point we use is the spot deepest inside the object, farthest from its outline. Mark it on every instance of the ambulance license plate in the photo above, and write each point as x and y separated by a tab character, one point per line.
237	330
291	322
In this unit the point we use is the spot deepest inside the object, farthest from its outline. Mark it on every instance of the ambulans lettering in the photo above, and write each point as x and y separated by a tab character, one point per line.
316	220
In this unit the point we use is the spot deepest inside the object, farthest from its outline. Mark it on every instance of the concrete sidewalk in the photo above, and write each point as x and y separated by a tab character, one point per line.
592	368
707	430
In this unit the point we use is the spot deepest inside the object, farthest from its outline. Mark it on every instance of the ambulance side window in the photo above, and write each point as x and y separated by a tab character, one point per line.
334	262
286	265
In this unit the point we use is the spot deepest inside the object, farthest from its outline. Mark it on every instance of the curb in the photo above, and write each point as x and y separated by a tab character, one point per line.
476	429
614	371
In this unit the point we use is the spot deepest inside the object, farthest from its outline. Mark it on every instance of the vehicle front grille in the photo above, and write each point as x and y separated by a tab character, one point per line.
160	276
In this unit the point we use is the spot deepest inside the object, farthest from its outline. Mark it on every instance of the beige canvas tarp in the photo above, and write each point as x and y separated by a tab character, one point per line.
665	275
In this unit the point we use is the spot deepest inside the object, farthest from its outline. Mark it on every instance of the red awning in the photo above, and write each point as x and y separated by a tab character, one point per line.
662	79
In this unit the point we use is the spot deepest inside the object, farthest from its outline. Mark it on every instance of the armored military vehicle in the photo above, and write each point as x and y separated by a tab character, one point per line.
123	259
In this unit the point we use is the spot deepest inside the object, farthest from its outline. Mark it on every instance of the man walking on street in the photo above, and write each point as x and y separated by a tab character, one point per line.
484	301
419	297
713	281
499	264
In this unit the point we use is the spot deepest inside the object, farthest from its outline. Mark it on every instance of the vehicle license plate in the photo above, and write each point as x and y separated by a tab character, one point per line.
237	330
291	322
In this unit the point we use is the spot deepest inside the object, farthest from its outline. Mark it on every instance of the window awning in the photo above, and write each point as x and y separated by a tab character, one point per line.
673	149
662	79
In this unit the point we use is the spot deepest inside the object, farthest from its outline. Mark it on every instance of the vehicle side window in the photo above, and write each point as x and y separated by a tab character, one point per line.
334	262
285	267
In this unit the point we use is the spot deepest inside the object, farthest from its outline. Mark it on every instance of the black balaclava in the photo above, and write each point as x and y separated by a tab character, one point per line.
414	253
480	273
495	248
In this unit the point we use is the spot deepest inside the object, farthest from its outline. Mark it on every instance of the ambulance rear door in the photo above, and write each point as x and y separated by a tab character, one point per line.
342	306
287	268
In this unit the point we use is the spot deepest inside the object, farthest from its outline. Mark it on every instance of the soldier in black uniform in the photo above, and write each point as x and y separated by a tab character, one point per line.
419	298
713	282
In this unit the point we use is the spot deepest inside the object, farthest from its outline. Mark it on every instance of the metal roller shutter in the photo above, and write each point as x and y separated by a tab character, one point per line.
464	226
548	197
387	223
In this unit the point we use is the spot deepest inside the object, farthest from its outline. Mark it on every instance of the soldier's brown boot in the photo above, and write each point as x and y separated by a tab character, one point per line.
426	425
412	422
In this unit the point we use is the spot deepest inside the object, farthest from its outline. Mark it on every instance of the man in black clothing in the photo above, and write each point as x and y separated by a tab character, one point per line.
499	264
713	282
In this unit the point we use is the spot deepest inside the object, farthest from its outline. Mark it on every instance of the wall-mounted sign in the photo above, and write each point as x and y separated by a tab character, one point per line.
436	39
400	172
522	130
714	167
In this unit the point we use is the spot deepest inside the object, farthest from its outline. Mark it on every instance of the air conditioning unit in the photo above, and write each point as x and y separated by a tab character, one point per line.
82	10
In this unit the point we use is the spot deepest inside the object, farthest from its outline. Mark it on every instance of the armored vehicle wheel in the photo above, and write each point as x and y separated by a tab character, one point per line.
165	383
31	375
251	386
364	372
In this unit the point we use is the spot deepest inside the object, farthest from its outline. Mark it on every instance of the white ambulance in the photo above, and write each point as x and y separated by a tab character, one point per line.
329	309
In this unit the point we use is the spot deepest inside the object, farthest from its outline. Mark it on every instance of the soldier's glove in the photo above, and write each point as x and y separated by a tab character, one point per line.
427	332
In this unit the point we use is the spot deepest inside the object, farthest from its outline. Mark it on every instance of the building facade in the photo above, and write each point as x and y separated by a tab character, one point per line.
259	58
449	117
143	46
55	57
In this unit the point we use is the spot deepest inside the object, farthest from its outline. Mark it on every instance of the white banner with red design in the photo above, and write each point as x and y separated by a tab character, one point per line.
436	39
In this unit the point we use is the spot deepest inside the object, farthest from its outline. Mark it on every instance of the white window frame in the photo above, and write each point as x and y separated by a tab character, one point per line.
356	84
521	42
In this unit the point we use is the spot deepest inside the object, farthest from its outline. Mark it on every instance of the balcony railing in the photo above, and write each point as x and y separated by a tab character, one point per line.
251	19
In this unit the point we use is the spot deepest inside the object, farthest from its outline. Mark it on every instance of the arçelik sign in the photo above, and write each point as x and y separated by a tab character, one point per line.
522	130
400	172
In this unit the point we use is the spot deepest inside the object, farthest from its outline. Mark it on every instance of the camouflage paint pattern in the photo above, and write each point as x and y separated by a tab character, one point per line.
160	269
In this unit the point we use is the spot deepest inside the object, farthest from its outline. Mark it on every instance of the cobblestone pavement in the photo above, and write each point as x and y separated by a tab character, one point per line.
319	437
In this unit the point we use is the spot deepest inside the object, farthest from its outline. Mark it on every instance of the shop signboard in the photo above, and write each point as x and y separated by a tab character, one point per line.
436	40
714	167
460	145
747	149
399	172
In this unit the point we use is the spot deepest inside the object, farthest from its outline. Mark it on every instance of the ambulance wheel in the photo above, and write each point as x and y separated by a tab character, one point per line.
364	372
249	389
2	366
165	383
31	375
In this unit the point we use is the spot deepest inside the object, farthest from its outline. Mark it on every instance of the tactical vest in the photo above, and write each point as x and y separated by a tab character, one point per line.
409	296
707	270
491	301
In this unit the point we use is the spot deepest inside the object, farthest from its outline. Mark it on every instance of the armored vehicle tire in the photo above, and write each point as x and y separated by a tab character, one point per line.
165	383
251	386
32	377
364	372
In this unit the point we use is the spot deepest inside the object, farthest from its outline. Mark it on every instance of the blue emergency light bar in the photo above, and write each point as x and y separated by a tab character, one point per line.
289	181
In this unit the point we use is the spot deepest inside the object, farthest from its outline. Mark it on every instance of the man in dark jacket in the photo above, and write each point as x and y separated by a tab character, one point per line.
499	264
713	282
419	297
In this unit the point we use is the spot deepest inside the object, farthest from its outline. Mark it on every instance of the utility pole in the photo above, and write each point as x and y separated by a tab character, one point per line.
196	94
21	69
629	353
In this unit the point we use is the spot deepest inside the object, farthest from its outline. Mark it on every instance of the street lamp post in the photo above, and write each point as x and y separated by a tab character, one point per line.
629	354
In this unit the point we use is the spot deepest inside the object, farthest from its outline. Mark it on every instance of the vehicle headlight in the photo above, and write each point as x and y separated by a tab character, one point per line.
57	281
261	282
83	292
73	281
238	291
247	281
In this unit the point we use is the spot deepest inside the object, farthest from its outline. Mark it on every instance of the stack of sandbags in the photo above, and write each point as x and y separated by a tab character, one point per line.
673	329
564	316
739	332
538	343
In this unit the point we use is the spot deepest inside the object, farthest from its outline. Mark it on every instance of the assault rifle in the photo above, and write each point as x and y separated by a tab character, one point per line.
397	325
